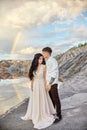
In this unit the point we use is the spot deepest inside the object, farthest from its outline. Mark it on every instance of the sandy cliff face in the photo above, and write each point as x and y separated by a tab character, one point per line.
10	69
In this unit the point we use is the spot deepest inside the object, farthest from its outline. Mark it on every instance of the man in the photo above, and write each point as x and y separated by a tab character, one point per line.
52	74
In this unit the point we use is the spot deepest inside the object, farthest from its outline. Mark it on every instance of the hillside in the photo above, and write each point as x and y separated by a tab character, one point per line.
73	62
70	54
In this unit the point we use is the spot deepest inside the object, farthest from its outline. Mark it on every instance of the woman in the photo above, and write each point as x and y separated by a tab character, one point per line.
40	108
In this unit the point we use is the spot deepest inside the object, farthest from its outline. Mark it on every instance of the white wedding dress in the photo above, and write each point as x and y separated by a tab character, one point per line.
40	108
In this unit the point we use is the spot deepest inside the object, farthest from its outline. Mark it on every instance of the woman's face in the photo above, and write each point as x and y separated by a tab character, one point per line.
40	60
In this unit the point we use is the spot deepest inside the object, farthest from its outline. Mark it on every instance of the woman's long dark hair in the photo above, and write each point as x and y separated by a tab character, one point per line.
34	65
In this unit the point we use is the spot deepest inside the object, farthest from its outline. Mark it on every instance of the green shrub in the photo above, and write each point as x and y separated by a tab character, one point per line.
82	44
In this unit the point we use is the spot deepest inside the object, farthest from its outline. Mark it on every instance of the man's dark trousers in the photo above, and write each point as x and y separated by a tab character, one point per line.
55	98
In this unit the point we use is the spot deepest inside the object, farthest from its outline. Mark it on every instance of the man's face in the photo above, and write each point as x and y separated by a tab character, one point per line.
45	54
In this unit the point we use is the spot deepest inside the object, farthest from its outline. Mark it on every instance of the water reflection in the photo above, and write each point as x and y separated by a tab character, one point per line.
12	92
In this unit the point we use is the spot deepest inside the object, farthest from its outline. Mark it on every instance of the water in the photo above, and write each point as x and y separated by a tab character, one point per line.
15	57
12	92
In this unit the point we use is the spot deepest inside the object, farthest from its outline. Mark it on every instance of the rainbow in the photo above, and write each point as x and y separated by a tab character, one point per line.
16	40
19	97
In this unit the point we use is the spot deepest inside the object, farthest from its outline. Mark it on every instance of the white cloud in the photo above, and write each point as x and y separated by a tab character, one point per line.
78	33
34	13
29	50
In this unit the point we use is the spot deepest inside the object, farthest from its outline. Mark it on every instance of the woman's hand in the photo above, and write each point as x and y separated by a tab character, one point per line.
48	87
32	87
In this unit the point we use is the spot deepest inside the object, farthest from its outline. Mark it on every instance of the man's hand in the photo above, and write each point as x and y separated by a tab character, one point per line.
48	87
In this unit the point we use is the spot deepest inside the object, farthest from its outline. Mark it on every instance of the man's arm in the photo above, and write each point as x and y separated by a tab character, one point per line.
51	80
54	71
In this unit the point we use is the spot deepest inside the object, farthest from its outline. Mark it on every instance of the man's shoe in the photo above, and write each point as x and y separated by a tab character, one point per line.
60	117
56	121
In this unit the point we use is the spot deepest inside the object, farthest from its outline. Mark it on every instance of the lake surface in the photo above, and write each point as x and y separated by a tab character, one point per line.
12	92
15	57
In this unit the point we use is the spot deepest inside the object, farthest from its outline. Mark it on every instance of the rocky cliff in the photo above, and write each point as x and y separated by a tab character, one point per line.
73	62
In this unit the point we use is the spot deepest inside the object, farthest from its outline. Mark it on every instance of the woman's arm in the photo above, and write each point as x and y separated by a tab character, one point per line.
47	87
32	84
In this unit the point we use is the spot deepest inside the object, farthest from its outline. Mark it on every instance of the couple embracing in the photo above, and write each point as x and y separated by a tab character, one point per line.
44	107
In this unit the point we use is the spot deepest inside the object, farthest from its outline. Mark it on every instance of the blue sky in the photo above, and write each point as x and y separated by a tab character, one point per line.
28	26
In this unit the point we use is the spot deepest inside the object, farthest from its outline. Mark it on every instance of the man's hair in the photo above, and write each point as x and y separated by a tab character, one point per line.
47	49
